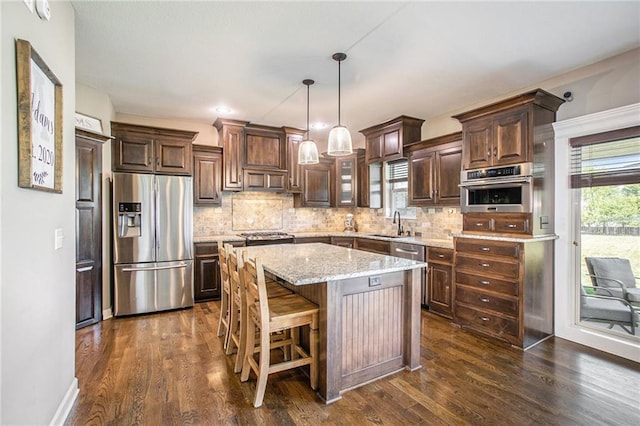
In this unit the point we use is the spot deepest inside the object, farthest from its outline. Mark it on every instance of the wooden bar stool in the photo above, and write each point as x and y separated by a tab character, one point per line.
237	330
225	306
267	316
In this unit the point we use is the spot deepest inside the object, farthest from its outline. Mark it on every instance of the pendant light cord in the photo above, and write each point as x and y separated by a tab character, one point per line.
339	62
308	111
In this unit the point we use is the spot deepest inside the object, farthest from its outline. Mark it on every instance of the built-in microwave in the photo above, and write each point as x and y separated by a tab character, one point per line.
506	189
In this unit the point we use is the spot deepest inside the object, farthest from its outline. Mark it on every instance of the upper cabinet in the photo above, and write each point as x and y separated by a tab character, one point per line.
145	149
384	142
434	171
293	139
503	133
256	158
231	137
207	175
352	180
318	189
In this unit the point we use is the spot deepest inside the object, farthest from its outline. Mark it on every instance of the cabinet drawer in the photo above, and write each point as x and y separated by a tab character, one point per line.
375	246
487	283
507	328
511	225
440	255
487	266
486	301
476	223
494	248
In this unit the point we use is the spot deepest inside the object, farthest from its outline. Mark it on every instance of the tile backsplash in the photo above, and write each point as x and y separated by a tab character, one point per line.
257	211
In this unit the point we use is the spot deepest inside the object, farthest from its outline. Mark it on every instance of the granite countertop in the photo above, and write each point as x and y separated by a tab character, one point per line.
425	241
317	262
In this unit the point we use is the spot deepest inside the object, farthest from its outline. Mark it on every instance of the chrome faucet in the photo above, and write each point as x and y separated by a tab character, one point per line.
397	213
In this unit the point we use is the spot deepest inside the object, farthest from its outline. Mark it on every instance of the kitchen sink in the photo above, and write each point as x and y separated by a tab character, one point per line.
388	236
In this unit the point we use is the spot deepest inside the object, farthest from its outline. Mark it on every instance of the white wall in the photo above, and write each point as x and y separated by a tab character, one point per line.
603	85
37	283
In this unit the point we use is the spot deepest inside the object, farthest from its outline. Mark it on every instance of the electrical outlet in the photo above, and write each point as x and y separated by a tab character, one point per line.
374	281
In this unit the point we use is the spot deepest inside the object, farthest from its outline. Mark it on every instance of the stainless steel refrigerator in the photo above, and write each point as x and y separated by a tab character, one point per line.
153	240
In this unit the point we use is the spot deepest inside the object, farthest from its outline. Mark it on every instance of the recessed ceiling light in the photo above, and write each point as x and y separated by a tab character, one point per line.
223	110
318	125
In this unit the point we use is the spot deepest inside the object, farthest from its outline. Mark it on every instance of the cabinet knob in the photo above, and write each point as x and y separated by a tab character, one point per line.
480	225
485	319
489	153
441	256
485	249
484	282
484	299
495	152
484	265
511	225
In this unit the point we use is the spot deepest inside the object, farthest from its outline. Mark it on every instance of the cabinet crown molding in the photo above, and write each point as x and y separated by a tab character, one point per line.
537	97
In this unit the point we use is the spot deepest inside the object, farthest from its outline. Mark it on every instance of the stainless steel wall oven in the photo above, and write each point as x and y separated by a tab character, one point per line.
506	189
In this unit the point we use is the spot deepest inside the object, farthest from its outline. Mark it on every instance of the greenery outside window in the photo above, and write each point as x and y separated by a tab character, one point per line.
396	186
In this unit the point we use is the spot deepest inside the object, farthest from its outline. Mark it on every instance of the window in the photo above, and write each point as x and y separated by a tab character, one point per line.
605	181
396	187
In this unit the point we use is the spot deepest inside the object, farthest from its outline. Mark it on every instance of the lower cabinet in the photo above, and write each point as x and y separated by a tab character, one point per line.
440	281
374	246
504	289
206	279
305	240
348	242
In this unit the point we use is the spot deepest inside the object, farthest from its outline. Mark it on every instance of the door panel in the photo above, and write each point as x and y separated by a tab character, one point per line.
134	188
152	287
174	204
88	232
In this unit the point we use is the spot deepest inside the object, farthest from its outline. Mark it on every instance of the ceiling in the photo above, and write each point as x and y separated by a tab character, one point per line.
181	59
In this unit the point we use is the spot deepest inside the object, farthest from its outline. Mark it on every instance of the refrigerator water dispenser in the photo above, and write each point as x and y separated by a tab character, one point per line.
129	220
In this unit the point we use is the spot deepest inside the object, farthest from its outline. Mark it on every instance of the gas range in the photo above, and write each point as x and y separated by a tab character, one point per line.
266	237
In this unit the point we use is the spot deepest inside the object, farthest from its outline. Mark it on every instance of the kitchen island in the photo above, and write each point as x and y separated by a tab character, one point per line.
369	309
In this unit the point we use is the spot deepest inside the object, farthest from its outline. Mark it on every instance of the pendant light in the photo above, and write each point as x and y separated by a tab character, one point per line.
339	137
308	151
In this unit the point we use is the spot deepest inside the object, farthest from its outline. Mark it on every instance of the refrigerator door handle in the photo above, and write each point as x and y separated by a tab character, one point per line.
155	268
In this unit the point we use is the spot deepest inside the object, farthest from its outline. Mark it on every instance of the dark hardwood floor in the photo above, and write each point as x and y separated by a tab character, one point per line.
170	369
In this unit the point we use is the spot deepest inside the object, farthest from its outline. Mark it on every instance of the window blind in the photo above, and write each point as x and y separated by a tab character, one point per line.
397	171
610	158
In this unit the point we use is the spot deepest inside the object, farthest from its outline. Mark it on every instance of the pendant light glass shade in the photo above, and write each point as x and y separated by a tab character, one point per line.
308	151
339	138
339	141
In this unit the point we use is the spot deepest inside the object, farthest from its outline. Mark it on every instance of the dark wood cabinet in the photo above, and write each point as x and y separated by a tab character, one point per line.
207	175
293	139
504	132
384	142
144	149
88	232
265	180
440	281
363	188
374	246
318	188
207	271
497	223
305	240
231	137
504	289
434	171
348	242
256	157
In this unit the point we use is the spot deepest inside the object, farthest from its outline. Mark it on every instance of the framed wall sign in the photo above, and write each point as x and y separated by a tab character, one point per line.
39	122
87	122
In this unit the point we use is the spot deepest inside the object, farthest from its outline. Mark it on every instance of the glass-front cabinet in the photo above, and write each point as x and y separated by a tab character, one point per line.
346	177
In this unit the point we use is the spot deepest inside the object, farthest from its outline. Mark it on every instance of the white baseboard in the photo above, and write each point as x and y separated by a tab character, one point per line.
106	314
66	404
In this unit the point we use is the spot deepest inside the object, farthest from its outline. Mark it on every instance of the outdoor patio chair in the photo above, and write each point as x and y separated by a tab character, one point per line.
614	274
608	310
